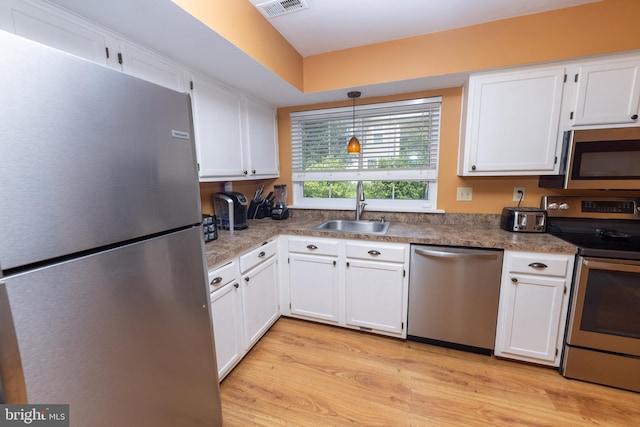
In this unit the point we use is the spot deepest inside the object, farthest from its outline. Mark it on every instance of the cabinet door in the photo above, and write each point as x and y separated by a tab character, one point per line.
262	141
218	121
53	28
226	316
313	287
513	122
608	93
529	318
148	66
259	300
374	295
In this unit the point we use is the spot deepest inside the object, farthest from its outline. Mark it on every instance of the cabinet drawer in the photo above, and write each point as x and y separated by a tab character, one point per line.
313	246
376	251
256	256
222	275
543	265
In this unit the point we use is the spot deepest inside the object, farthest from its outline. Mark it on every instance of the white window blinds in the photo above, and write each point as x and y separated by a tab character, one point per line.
399	140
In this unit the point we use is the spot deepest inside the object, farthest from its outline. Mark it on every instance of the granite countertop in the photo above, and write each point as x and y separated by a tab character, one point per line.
452	230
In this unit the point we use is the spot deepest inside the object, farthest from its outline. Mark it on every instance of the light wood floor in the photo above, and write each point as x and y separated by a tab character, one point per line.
307	374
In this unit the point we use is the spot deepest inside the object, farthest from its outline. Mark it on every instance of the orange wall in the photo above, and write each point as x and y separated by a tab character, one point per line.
591	29
604	27
240	23
248	188
489	194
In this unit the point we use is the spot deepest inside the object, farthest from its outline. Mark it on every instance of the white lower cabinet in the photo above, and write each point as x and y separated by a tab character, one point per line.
314	286
226	316
244	304
533	306
349	283
260	300
375	285
375	296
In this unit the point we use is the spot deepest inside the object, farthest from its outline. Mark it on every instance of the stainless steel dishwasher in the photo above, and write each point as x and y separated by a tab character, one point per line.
453	296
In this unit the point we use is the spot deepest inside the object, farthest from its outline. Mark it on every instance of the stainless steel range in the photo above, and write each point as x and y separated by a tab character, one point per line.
602	343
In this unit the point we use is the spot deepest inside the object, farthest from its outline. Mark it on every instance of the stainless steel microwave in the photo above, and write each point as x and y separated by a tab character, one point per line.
598	159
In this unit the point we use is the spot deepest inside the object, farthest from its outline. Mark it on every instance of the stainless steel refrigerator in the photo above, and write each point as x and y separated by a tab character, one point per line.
103	292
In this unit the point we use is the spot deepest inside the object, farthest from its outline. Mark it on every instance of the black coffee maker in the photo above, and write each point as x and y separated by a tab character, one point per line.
231	210
280	210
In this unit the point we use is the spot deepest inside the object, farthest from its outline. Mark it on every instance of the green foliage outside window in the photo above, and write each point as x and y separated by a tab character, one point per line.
385	190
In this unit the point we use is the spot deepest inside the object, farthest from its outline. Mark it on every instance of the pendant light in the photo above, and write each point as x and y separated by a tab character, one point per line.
354	144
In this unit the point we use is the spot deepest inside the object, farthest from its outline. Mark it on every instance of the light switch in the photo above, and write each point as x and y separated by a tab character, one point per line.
464	194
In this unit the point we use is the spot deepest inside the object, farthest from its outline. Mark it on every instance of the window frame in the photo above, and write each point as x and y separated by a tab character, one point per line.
390	205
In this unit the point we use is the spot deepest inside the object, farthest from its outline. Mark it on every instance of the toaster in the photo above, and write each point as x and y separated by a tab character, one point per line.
231	210
524	220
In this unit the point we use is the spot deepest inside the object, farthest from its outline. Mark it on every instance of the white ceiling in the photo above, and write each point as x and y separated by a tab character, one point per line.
326	26
329	25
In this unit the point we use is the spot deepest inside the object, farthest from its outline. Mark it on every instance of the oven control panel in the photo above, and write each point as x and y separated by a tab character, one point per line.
591	207
601	206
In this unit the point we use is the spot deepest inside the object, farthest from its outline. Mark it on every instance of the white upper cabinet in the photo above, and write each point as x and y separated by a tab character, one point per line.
219	126
47	25
139	62
608	92
512	122
235	136
262	141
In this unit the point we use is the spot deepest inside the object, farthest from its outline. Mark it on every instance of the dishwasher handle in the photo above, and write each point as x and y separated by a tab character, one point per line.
443	254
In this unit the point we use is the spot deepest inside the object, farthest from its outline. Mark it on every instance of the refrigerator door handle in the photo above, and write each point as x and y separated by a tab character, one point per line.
12	384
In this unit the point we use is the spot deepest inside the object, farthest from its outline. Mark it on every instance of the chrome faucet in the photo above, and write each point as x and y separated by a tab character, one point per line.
360	204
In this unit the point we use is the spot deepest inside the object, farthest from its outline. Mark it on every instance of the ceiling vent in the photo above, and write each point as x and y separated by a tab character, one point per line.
271	9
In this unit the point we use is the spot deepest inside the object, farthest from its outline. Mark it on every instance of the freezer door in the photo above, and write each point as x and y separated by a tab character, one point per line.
88	156
123	336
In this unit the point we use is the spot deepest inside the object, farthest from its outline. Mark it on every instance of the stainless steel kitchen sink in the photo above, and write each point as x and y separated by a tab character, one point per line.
352	226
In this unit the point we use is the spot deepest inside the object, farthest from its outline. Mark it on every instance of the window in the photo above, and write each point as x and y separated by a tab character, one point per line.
398	162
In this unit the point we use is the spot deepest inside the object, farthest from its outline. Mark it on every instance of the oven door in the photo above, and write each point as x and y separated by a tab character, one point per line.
606	305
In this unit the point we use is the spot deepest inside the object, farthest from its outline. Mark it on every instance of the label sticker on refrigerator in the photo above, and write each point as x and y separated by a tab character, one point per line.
179	134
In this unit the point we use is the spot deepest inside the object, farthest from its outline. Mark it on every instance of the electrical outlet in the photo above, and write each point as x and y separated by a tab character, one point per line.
464	194
517	195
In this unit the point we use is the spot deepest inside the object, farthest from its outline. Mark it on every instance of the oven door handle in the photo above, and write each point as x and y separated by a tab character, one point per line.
613	265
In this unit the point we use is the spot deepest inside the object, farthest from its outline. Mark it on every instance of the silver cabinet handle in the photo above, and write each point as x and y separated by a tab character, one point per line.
216	281
261	254
443	254
373	252
312	247
538	265
514	280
